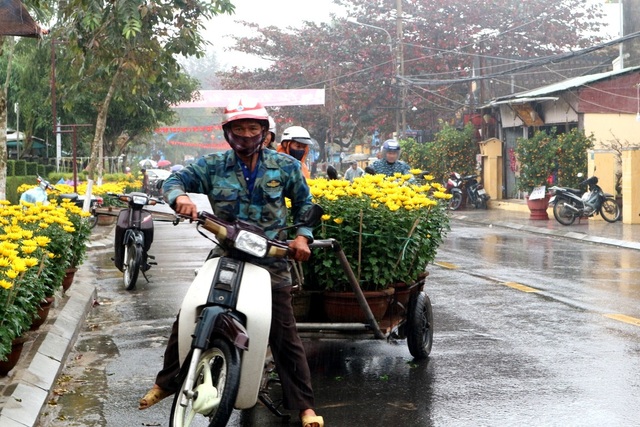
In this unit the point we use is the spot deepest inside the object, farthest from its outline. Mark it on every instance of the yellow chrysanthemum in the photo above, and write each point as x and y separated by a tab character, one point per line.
42	241
5	284
326	217
31	262
338	221
11	274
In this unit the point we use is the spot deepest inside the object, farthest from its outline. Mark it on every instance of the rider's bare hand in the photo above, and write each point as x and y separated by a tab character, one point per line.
184	206
300	248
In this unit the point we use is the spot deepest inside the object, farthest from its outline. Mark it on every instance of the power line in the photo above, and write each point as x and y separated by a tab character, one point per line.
534	63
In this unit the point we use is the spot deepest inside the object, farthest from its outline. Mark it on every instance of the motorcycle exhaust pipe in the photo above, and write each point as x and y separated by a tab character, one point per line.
573	208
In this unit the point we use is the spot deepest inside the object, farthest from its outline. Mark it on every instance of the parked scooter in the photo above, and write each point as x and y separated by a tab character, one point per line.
224	324
133	237
39	194
475	192
571	203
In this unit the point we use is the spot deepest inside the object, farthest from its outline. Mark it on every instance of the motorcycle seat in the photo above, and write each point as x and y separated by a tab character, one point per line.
69	196
575	191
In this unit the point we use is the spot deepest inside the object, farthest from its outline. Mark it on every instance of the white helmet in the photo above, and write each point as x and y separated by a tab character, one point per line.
245	109
272	126
391	145
296	133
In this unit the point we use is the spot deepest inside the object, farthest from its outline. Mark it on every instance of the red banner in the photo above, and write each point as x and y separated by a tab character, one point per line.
222	145
185	129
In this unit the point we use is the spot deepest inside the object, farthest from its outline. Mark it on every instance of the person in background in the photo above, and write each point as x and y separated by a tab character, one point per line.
353	172
145	181
270	139
261	180
295	141
389	163
332	173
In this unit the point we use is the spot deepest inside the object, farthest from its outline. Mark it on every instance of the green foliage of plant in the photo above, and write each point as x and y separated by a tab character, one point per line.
37	245
389	230
549	153
452	150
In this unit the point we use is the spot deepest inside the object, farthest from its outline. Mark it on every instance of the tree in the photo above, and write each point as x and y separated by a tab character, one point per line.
125	47
442	40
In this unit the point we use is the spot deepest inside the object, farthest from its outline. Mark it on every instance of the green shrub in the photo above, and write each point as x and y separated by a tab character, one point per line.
20	168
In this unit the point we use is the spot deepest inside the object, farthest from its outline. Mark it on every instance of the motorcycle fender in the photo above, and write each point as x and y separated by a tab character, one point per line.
216	321
456	190
552	201
254	300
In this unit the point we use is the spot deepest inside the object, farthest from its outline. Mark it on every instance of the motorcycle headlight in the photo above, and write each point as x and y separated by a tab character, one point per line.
140	200
251	243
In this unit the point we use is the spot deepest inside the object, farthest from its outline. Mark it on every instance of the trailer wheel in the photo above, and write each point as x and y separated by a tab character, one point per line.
420	326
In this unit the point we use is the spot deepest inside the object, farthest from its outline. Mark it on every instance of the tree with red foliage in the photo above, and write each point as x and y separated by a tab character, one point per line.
441	41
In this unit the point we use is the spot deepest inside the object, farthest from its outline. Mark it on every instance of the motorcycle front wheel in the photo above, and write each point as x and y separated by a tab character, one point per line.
455	201
563	215
609	210
131	267
214	391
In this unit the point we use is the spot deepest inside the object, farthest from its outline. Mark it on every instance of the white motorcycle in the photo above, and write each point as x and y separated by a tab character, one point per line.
224	324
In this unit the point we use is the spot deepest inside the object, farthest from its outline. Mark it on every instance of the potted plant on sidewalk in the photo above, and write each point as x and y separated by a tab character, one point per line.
550	158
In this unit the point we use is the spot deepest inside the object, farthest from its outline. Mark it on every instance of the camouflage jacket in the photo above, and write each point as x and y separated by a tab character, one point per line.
386	168
220	177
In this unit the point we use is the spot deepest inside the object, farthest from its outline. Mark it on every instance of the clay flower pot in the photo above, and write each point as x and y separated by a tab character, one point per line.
344	307
42	313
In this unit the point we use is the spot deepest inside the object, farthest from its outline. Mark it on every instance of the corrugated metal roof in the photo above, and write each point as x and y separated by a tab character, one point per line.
15	20
564	85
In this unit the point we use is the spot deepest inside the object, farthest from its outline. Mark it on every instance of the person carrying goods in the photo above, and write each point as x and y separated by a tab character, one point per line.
389	163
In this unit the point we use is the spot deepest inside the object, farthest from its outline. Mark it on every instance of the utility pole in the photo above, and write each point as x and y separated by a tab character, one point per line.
400	71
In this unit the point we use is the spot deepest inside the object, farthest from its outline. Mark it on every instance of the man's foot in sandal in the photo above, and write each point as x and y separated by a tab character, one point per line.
153	396
309	418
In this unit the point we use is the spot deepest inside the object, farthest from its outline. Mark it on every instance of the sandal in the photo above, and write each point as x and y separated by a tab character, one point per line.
312	421
153	396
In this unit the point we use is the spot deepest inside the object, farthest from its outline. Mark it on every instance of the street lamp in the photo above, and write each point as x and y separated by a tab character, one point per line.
395	60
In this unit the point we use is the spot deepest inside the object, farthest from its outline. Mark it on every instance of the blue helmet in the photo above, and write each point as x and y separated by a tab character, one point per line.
391	145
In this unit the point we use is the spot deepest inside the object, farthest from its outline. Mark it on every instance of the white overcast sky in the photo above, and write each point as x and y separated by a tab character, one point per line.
285	13
289	13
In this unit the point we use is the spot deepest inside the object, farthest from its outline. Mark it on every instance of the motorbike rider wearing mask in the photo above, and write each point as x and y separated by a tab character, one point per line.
270	139
389	164
250	184
295	141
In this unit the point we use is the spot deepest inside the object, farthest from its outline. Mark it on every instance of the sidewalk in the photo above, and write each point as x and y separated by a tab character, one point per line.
515	214
24	392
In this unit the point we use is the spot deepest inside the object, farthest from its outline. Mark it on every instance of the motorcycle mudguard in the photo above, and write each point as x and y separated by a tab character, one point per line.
146	225
254	300
456	190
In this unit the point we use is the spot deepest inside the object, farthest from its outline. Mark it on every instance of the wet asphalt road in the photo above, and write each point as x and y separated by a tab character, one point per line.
529	330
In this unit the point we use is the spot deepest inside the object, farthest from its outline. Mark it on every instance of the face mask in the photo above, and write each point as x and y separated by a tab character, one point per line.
243	145
297	154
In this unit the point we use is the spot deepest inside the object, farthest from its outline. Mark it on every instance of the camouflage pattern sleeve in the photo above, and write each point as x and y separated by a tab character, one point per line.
192	179
297	190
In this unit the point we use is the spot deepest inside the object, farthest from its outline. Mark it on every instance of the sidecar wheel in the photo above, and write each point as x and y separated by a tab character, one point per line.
218	367
420	326
563	215
131	267
609	210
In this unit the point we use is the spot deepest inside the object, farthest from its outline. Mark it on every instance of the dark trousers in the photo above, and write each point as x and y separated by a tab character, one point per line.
286	347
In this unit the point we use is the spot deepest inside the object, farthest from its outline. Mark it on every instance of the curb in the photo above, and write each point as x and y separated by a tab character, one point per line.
550	232
23	407
33	384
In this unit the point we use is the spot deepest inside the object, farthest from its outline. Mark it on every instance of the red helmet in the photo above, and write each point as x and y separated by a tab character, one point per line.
245	108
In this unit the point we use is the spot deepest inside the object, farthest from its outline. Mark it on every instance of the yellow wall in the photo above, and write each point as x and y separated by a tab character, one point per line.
602	163
631	186
608	127
491	151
